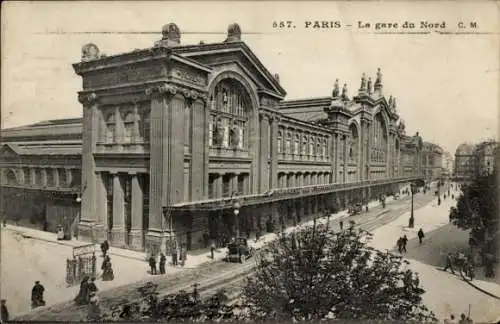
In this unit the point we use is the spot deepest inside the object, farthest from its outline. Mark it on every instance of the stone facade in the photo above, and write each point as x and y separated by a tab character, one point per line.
176	137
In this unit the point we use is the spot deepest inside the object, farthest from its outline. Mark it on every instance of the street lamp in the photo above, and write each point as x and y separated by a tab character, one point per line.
236	211
411	222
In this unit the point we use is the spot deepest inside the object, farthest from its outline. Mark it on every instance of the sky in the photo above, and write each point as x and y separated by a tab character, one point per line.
447	86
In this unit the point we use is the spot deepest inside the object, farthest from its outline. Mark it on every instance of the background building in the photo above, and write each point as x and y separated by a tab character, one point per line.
484	153
182	143
464	162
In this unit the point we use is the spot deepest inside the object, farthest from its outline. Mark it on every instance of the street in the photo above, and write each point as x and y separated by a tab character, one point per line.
445	294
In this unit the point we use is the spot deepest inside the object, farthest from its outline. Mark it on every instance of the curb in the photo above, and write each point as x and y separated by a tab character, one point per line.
478	288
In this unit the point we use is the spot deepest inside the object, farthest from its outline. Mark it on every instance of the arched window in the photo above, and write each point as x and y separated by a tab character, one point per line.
231	110
325	151
319	151
110	133
38	177
379	138
280	141
304	145
311	146
353	143
128	127
50	177
10	177
27	176
288	145
296	145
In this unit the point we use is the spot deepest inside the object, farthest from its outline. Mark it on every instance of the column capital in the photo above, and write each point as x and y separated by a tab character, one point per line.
87	98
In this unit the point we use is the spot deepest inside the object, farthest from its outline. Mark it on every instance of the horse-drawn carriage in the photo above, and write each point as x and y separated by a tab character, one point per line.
239	250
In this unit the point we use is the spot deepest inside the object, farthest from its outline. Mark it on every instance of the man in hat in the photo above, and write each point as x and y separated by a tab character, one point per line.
37	295
4	312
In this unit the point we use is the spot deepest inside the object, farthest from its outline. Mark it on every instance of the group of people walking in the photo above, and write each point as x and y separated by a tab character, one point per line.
177	258
464	263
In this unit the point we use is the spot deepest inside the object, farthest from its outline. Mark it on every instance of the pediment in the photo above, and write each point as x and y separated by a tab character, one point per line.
8	151
240	54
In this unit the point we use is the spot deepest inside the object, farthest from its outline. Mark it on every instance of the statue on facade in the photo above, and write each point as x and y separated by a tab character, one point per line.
90	52
362	88
369	86
277	77
234	136
336	89
233	33
378	81
171	35
344	93
225	98
218	137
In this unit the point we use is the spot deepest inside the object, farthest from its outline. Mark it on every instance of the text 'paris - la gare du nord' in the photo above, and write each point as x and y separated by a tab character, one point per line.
386	26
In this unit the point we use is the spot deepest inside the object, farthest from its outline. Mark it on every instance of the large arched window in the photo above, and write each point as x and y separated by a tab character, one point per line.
231	109
27	176
38	177
379	140
311	145
353	143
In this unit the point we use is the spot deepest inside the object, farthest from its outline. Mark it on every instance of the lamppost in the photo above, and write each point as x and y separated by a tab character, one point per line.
411	222
236	211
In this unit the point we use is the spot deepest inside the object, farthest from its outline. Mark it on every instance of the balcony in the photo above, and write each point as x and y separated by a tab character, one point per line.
228	152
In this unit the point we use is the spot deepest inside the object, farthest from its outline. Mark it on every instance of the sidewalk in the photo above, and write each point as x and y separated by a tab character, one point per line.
193	259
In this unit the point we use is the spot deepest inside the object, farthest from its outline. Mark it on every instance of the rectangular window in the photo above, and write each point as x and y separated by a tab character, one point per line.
225	141
211	183
110	133
128	132
241	184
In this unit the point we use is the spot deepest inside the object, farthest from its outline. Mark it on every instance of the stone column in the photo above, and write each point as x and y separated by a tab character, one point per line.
218	186
273	172
90	126
44	176
101	227
234	184
264	152
199	151
344	154
118	230
136	231
338	156
55	175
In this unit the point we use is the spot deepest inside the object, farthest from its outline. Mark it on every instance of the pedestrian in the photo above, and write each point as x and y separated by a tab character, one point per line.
4	312
37	295
439	201
163	260
341	224
4	221
400	244
107	273
404	242
152	264
174	257
94	310
463	319
83	293
183	254
212	250
449	263
450	320
104	248
420	235
92	287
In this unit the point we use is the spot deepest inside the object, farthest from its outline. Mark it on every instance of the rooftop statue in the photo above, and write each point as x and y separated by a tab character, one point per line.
344	92
90	52
369	86
233	33
336	89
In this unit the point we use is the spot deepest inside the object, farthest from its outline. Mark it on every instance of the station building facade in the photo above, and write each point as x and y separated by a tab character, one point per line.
182	143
